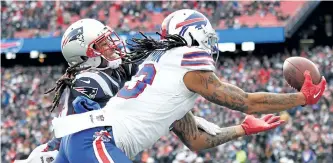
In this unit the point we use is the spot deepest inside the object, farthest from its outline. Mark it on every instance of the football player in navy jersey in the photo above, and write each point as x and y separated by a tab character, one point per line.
98	69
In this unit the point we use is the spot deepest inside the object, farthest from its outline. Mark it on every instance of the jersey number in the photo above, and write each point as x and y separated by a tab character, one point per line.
145	76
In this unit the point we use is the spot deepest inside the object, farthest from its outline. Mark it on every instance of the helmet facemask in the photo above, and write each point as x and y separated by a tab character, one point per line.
108	45
206	40
211	42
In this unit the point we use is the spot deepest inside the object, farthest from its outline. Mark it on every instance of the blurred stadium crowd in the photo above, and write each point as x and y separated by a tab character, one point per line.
307	137
50	18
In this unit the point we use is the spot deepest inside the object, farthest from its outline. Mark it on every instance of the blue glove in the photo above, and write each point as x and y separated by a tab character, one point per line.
83	104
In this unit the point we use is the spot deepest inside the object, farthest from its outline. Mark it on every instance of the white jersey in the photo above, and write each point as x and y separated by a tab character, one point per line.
146	106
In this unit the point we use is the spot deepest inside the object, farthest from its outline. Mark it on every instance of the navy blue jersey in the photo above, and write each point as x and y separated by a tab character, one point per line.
97	85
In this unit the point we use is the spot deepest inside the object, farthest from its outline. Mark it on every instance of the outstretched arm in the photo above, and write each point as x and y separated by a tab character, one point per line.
207	84
203	140
197	139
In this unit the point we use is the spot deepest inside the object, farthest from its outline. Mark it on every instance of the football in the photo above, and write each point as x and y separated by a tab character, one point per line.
294	68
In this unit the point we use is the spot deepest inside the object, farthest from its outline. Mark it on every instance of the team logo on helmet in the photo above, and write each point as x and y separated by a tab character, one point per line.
76	34
194	19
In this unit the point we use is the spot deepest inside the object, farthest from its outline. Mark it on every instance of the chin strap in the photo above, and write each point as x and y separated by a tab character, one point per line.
217	54
110	64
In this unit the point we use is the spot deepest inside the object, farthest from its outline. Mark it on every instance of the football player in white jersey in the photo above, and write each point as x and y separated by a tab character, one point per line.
178	69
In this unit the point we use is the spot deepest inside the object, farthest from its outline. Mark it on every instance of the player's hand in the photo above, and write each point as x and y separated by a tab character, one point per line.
311	91
207	126
40	155
253	125
83	104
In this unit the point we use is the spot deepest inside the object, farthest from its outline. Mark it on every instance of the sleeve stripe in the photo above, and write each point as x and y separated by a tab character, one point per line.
196	63
201	58
196	54
130	68
113	82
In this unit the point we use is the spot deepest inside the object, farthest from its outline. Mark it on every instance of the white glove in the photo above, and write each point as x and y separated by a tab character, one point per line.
208	127
38	156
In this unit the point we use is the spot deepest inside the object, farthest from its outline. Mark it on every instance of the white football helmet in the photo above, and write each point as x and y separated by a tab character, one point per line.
91	40
193	26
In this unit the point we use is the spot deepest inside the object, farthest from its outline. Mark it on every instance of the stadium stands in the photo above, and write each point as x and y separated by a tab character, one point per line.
25	19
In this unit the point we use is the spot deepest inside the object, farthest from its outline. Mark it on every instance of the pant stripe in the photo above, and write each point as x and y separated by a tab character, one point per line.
101	152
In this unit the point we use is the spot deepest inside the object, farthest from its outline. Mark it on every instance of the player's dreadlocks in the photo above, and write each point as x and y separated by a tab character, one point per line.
64	81
143	47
